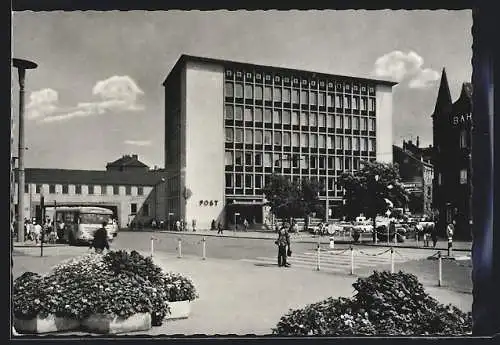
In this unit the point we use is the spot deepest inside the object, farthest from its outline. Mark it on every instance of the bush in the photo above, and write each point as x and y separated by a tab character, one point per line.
384	304
27	296
179	288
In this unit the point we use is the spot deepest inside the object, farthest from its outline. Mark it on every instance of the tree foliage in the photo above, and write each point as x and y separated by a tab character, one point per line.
366	189
290	199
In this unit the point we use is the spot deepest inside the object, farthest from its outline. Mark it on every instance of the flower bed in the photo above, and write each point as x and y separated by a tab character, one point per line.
127	288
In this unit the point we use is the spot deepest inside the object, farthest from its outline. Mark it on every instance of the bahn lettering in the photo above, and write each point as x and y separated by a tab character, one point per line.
208	202
461	118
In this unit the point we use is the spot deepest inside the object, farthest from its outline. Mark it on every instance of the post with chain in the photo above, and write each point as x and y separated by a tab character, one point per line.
440	270
318	258
179	248
392	260
204	248
352	260
152	245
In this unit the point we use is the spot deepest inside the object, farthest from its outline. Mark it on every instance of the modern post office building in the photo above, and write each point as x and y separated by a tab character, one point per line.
230	125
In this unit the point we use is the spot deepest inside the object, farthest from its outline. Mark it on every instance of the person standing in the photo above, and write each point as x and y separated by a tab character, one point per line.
220	229
194	225
37	231
245	224
283	242
450	230
100	240
177	225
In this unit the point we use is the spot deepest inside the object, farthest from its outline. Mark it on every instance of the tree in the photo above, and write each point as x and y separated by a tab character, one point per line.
289	199
367	189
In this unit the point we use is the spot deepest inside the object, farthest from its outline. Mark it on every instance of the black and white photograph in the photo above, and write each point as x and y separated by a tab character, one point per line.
285	173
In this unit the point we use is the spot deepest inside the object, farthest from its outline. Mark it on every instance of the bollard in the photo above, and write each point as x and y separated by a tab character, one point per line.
332	242
152	245
318	259
352	261
179	248
450	247
440	270
396	237
392	260
204	248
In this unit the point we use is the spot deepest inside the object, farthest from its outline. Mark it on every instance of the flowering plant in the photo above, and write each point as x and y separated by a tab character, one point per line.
178	288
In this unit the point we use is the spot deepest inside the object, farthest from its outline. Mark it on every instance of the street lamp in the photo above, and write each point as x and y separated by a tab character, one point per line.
21	65
375	239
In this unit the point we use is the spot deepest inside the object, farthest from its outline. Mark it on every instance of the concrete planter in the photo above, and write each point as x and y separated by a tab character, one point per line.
179	310
48	324
113	324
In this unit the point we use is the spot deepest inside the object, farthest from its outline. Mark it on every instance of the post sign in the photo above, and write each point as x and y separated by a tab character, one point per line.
458	119
208	202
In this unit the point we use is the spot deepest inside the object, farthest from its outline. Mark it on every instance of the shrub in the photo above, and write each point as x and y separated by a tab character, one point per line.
178	288
384	304
27	296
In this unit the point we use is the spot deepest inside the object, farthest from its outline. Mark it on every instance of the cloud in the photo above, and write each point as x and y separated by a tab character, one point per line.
115	94
405	67
138	142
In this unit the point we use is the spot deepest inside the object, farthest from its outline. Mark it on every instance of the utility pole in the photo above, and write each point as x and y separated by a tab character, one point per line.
22	66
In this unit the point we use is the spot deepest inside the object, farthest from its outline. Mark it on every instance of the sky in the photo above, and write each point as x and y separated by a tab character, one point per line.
97	93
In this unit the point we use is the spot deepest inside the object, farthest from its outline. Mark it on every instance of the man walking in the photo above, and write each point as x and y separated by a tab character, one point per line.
220	229
282	242
100	240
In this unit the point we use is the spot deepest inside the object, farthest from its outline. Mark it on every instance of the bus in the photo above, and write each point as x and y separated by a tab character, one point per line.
77	224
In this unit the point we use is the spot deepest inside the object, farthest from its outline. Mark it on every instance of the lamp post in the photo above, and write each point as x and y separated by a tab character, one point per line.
375	239
21	65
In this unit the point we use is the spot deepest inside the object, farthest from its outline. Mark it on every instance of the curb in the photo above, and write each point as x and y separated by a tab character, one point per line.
215	235
37	246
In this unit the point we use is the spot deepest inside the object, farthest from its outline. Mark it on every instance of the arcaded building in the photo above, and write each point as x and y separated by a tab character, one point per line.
230	125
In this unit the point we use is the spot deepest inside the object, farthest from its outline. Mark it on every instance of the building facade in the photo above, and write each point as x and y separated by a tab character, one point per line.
133	196
452	129
230	125
417	177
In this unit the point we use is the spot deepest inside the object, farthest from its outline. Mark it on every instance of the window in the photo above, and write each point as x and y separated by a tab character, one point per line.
313	121
140	190
104	189
286	161
322	99
339	142
338	101
463	139
268	93
304	162
268	138
303	97
295	118
313	162
248	136
91	189
38	188
277	94
287	117
258	159
286	139
238	135
322	141
286	95
347	122
26	188
338	163
295	139
347	102
238	91
347	143
296	161
321	120
364	144
52	189
267	160
329	100
238	158
248	181
248	114
372	104
371	125
277	138
128	190
355	163
356	144
330	183
313	98
229	112
65	189
313	140
322	162
248	158
330	163
339	122
133	208
463	176
238	181
258	137
258	114
295	96
364	123
116	190
229	180
248	91
258	92
78	189
277	160
277	116
364	103
229	135
229	91
356	123
304	119
330	142
347	163
238	114
268	116
229	158
371	145
304	140
145	210
355	105
330	121
258	181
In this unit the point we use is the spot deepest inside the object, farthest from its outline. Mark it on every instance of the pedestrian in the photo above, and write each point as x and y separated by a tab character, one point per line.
283	242
153	223
100	240
450	230
245	224
213	226
37	232
194	225
220	229
177	225
433	232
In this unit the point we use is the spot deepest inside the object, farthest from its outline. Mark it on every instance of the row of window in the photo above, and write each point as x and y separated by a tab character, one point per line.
90	189
279	160
463	177
294	81
312	140
295	118
292	96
